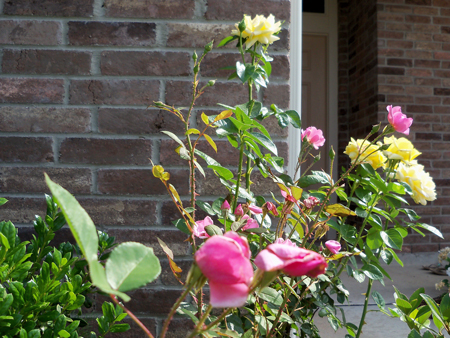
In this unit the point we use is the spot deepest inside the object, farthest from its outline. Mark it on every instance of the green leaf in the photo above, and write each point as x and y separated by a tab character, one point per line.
223	172
9	230
295	118
98	276
119	327
36	333
271	295
431	229
81	225
378	298
64	334
131	265
445	307
173	137
403	305
227	40
5	303
3	201
374	240
414	334
392	238
372	272
181	225
262	140
437	317
213	230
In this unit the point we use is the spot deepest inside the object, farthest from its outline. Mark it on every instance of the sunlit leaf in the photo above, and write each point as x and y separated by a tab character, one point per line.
211	142
339	210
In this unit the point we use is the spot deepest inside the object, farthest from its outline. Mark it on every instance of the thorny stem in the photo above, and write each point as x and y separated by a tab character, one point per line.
136	320
172	311
198	327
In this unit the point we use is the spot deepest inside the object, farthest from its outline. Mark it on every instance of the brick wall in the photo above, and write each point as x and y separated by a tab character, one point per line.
76	78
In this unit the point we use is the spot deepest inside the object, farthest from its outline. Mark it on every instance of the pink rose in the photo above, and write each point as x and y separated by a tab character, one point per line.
333	246
269	206
314	136
251	223
398	120
199	227
225	261
254	209
239	211
225	205
292	260
311	202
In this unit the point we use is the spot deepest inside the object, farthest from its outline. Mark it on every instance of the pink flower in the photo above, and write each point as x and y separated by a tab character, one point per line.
239	211
310	202
254	209
398	120
251	223
199	227
225	261
269	206
314	136
291	260
225	205
285	241
333	246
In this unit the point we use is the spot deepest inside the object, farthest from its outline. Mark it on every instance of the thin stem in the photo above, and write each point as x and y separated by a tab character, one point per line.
172	311
136	320
238	182
198	327
366	302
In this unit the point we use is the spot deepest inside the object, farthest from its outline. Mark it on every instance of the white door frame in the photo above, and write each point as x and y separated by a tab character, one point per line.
321	24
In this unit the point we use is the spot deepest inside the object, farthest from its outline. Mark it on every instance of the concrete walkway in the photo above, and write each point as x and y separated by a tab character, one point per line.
406	280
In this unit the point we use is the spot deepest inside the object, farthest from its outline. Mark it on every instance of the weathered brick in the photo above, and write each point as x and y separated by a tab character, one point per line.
46	62
137	121
21	90
179	328
173	9
442	91
175	239
167	277
391	70
22	210
181	34
49	7
426	63
112	33
105	151
30	32
400	62
120	212
145	63
180	93
113	92
31	180
44	120
140	182
277	94
235	9
418	2
26	149
441	3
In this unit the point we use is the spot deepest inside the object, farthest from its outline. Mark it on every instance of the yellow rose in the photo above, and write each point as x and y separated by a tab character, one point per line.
400	149
260	29
369	153
420	182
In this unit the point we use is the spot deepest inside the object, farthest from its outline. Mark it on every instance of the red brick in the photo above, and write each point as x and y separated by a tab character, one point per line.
45	120
422	45
112	33
135	330
417	19
419	72
167	277
400	62
49	7
441	3
235	9
179	328
426	11
180	34
414	90
30	32
173	9
15	90
418	2
391	89
140	182
442	91
46	62
175	239
22	210
400	44
442	55
391	70
105	151
399	80
422	28
426	63
277	94
120	212
180	93
26	149
137	121
113	92
398	27
441	37
145	63
31	180
399	9
427	82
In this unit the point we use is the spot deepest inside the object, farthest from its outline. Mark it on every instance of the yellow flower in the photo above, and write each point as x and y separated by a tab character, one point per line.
260	29
420	182
400	149
369	153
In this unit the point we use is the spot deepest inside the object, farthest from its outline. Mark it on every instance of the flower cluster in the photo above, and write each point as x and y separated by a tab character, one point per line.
365	152
259	29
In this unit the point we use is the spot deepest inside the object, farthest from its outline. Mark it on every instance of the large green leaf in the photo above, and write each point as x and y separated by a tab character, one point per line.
431	229
372	272
392	238
83	229
98	276
131	265
271	295
262	140
437	317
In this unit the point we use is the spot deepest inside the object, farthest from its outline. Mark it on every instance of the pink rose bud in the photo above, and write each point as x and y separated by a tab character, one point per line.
254	209
251	223
269	206
310	202
291	260
225	261
398	120
314	136
199	227
333	246
225	205
239	211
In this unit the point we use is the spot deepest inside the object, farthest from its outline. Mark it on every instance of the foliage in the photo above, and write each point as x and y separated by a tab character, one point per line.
43	288
296	274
